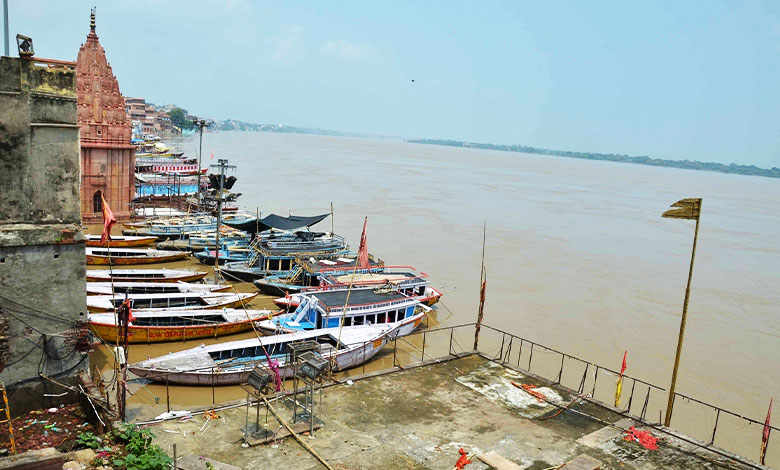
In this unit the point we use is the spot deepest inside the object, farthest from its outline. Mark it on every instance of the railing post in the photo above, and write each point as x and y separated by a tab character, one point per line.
167	394
422	358
395	349
595	378
631	398
452	330
530	356
213	377
643	414
501	351
714	429
505	358
520	354
560	372
581	388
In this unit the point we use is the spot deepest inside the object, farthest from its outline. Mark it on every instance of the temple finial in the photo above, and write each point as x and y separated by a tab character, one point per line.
92	19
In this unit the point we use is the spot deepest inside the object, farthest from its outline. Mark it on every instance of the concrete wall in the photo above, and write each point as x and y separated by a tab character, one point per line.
42	261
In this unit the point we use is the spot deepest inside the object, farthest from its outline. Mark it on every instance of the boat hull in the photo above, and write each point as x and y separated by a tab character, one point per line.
239	302
161	334
215	376
119	243
196	276
99	260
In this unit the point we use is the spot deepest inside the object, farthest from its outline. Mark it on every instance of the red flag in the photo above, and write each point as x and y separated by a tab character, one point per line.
765	435
623	367
212	155
363	250
108	220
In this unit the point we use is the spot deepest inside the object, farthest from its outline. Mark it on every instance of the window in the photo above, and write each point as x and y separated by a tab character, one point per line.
97	201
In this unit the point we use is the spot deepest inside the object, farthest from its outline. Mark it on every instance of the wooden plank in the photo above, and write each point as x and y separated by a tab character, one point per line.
498	461
582	462
268	436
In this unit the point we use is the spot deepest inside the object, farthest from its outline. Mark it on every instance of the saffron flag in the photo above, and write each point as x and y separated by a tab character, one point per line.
212	155
765	435
108	221
619	387
363	250
686	209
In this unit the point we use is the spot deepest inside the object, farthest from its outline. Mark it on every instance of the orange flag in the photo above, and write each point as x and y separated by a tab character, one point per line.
363	250
108	221
619	385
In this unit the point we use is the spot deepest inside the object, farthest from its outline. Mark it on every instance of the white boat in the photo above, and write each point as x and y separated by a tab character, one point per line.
180	301
108	288
230	363
144	275
329	309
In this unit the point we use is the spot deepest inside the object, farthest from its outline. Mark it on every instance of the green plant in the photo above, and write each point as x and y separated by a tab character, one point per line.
209	466
140	453
88	440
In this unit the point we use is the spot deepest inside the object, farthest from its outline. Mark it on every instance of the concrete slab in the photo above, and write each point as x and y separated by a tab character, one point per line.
198	462
582	462
498	461
607	433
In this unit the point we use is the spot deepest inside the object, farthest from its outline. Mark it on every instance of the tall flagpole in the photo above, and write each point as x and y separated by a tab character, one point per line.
688	209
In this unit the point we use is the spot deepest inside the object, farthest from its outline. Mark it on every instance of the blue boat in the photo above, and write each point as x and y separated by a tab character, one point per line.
347	308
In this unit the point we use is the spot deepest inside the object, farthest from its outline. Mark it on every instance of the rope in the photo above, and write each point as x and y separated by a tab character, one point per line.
297	438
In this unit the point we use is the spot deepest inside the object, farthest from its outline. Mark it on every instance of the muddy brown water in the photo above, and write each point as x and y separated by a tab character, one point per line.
578	256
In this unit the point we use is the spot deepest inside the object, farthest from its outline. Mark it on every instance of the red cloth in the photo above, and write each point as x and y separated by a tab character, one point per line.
463	460
644	438
765	435
363	250
108	221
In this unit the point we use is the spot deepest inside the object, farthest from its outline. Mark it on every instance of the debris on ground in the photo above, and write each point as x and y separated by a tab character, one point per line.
644	438
53	427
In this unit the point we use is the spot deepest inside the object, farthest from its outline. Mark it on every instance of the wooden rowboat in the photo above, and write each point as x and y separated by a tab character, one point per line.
125	256
119	241
177	325
144	275
229	363
108	288
181	301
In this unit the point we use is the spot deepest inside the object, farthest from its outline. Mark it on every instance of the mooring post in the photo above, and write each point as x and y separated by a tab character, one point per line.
167	394
422	357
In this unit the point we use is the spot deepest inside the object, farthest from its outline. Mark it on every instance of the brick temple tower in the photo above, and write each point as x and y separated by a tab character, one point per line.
107	156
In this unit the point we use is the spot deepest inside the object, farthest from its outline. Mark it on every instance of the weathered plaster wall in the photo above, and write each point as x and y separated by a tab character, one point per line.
42	261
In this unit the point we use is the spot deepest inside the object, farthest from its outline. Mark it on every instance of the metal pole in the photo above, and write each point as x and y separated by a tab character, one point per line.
670	404
5	28
219	218
201	124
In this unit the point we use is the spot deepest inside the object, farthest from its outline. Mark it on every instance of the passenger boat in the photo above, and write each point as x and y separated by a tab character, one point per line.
228	254
326	309
151	326
144	275
180	301
119	241
205	240
307	272
123	256
107	288
277	255
229	363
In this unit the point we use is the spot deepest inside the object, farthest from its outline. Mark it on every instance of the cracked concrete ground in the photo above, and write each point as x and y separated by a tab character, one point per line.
419	418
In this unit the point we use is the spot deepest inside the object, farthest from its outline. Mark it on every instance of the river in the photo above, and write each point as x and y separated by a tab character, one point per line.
578	257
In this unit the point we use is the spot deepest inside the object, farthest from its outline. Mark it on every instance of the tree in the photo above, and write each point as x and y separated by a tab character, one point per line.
179	118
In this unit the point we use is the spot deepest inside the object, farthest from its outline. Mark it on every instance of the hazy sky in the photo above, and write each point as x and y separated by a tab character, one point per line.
692	79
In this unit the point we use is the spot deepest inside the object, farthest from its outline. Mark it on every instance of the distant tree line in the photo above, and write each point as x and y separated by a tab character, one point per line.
773	172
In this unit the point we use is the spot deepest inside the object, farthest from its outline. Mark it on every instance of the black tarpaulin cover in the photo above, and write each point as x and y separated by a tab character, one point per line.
278	222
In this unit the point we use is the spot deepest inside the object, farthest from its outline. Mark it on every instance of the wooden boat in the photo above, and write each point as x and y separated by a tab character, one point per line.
144	275
229	363
180	301
277	255
228	254
119	241
152	326
107	288
308	272
125	256
325	309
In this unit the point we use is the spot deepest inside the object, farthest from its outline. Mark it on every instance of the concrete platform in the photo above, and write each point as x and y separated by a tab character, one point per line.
419	418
